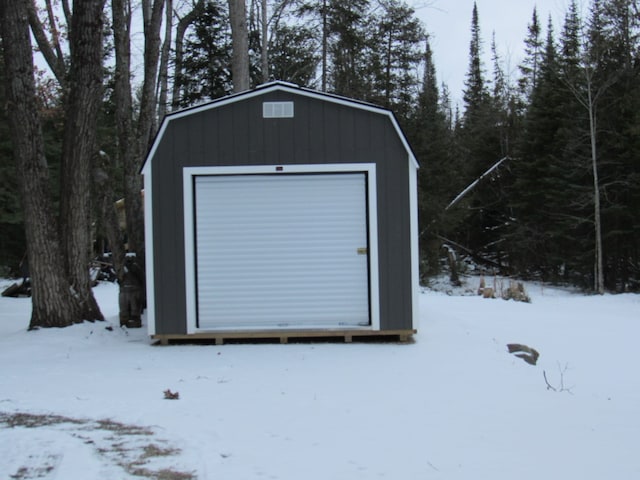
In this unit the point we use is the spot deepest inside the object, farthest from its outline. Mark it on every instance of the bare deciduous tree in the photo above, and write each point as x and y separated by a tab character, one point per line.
52	302
181	29
240	40
163	74
52	54
79	146
588	97
82	84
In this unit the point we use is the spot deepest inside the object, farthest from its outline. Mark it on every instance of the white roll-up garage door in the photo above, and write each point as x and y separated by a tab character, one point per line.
281	251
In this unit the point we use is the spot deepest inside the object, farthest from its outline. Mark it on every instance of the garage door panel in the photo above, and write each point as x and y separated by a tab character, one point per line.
281	249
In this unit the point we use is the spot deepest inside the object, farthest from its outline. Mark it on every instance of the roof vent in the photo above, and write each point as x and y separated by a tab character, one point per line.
277	110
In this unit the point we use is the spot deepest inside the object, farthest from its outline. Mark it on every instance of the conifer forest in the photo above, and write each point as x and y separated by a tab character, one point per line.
535	173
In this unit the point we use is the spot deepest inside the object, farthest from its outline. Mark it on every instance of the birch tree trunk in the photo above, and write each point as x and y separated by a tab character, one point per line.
599	265
52	303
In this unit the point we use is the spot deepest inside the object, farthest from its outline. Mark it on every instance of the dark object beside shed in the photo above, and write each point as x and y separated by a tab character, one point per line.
281	211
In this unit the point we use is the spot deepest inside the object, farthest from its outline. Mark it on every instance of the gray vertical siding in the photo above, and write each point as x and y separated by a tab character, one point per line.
321	132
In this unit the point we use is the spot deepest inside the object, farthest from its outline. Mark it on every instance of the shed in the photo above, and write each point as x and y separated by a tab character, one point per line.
281	212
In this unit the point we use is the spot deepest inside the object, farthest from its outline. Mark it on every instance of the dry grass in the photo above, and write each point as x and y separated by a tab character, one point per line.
123	446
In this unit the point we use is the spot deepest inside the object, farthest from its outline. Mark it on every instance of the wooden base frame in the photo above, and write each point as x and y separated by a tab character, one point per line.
401	336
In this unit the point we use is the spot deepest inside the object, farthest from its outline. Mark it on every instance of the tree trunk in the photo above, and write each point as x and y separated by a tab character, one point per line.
109	215
52	303
325	41
127	149
599	265
163	75
79	147
152	17
240	41
264	54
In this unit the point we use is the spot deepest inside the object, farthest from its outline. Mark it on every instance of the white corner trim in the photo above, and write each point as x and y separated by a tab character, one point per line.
415	250
149	257
374	262
188	174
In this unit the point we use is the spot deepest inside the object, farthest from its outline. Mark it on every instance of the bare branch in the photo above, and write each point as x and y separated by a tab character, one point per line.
55	35
56	64
183	24
549	386
67	11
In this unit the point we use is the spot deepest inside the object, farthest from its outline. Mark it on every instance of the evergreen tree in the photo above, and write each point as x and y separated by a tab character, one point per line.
504	104
347	40
533	48
293	55
475	93
612	53
207	56
478	135
395	52
573	219
480	148
431	138
536	195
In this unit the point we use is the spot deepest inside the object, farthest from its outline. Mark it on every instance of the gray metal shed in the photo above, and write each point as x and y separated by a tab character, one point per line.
281	211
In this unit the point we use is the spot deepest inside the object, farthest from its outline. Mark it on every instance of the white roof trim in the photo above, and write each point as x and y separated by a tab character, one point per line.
272	87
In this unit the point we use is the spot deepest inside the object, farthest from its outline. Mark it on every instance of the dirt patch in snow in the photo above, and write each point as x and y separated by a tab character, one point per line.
136	450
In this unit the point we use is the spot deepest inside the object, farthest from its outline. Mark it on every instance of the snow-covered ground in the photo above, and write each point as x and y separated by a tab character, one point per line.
87	402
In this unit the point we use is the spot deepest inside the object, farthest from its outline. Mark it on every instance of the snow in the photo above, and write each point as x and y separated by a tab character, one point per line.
86	402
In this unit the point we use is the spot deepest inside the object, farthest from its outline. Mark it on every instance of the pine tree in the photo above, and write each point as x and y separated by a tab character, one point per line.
395	47
293	55
612	52
207	56
481	148
346	32
534	241
475	93
574	214
533	48
431	138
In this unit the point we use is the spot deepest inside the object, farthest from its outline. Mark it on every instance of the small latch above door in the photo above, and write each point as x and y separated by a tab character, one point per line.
363	251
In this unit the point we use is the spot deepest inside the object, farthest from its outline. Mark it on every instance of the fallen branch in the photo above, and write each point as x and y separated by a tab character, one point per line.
473	184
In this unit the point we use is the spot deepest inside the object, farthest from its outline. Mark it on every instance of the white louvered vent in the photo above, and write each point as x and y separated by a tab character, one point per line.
277	110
